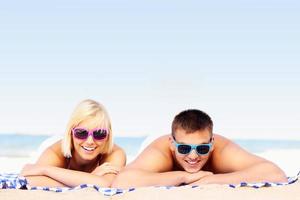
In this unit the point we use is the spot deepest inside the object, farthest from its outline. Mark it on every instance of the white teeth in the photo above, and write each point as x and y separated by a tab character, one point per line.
89	148
192	162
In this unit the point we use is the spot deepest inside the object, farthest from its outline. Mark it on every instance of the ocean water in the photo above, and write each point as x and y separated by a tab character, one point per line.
16	150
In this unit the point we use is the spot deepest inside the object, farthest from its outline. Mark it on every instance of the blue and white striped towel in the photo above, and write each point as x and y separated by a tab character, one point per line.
13	181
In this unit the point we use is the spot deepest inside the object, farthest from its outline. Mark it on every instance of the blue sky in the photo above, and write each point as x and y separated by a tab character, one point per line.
148	60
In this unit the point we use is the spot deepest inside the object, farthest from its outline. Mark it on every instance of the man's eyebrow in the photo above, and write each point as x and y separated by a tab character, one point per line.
193	144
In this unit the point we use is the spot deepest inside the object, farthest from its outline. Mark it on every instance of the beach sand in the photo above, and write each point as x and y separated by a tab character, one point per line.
216	192
82	194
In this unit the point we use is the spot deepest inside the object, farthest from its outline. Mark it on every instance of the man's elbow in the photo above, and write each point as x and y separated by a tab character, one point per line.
105	184
121	180
106	180
276	174
280	176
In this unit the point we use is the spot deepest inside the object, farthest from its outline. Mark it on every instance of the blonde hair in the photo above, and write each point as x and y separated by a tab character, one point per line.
87	109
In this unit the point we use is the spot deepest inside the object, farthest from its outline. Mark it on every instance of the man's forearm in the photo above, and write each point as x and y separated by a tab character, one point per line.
136	178
262	172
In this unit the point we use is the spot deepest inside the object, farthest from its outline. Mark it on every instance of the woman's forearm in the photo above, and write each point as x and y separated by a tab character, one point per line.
43	181
74	178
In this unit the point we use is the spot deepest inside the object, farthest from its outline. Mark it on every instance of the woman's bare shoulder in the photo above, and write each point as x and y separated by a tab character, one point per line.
117	156
53	155
117	150
55	150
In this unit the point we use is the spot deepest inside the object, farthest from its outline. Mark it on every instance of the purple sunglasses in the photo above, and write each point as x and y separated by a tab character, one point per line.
83	133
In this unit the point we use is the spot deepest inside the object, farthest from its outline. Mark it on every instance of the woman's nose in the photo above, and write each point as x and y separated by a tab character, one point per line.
90	139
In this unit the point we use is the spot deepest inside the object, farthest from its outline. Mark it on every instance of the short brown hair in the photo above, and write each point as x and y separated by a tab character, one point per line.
192	120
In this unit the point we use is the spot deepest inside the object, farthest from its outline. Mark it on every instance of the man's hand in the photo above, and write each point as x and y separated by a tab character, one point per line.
193	177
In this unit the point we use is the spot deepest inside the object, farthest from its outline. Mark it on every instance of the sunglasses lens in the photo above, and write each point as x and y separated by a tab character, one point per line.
80	133
100	134
184	149
203	149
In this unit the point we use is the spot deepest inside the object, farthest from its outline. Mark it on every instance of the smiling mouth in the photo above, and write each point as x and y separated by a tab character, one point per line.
90	149
192	162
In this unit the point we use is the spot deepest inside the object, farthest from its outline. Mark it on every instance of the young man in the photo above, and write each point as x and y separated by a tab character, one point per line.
192	154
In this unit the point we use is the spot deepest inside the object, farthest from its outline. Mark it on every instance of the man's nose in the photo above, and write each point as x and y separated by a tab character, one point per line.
193	154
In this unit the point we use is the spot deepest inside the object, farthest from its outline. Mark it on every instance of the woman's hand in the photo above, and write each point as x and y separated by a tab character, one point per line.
33	170
106	168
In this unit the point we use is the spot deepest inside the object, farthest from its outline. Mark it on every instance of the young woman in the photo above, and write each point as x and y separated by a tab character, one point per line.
86	154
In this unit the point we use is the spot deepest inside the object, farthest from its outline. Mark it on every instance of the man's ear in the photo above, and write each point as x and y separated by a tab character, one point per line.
213	143
171	145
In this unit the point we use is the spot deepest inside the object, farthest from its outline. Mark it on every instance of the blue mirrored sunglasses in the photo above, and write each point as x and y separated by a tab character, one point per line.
201	149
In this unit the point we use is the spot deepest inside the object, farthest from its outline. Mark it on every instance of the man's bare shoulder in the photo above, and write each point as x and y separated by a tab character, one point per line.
155	157
222	158
221	144
220	141
160	146
161	141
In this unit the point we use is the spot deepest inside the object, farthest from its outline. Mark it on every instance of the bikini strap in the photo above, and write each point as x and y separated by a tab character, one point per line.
68	163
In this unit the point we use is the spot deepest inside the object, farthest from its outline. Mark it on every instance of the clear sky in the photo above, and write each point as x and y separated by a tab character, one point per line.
148	60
